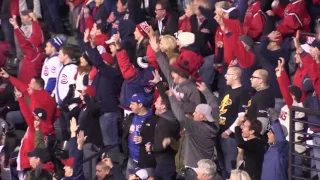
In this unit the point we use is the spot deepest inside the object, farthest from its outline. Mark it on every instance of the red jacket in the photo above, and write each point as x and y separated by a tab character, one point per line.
251	11
278	10
296	17
33	55
284	84
152	58
4	50
101	39
312	69
233	26
14	7
194	59
254	30
42	99
184	24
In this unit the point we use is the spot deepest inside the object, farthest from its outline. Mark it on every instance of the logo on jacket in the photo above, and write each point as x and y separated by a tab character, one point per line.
111	17
46	71
205	30
64	79
53	69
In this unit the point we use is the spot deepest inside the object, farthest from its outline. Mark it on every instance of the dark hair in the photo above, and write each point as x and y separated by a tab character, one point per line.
124	2
85	69
256	126
164	4
39	81
165	101
67	50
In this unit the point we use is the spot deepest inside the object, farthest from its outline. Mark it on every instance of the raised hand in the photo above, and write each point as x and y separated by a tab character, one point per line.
297	43
33	16
86	35
81	139
36	125
17	93
13	22
201	86
4	73
73	125
280	67
156	77
274	36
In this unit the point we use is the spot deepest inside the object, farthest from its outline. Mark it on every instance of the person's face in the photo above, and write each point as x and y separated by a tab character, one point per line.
62	57
83	62
175	77
26	20
135	107
219	11
197	116
271	138
98	2
158	105
137	34
50	50
230	77
101	173
163	47
121	8
113	48
93	31
188	12
245	129
160	12
67	171
33	85
34	161
255	80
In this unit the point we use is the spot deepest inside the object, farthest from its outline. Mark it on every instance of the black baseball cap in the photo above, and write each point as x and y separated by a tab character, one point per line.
43	154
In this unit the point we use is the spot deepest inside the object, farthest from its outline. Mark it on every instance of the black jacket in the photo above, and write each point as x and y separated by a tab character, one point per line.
147	134
167	126
89	121
101	14
169	24
44	175
204	34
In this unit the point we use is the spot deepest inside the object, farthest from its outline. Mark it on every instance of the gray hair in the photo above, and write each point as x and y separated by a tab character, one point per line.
239	175
208	167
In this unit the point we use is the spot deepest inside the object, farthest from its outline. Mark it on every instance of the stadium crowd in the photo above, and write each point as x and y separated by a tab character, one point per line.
161	89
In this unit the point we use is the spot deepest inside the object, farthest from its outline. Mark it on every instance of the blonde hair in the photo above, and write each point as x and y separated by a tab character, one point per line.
203	3
223	4
239	175
169	41
191	6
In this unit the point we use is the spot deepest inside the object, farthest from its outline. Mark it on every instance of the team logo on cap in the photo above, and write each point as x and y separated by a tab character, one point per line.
46	72
64	79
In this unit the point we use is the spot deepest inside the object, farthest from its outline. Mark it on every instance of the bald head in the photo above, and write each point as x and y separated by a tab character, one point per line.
263	74
236	71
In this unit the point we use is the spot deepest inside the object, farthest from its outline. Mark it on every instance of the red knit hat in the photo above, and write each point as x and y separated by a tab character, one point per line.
143	28
68	162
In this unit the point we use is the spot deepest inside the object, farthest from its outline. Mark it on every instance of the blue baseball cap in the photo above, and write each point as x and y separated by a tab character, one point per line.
139	98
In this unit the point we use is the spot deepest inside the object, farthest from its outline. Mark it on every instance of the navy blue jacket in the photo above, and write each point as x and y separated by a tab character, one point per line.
105	82
78	158
275	163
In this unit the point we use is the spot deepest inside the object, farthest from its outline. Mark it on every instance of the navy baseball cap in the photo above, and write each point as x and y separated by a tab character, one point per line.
139	98
316	44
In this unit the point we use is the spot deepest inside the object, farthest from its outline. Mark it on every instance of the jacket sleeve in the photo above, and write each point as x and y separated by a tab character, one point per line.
281	142
36	38
213	102
152	58
97	61
279	10
312	69
256	27
39	140
26	112
25	44
19	85
163	62
290	24
127	69
89	22
284	83
50	85
116	172
77	165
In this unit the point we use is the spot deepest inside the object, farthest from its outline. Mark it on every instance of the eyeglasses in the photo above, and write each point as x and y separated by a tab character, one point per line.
230	74
156	10
255	77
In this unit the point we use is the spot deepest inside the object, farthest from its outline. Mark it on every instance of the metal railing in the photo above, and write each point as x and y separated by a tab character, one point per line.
292	143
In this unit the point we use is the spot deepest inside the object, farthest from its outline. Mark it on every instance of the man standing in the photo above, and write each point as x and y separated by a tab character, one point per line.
234	100
52	63
138	131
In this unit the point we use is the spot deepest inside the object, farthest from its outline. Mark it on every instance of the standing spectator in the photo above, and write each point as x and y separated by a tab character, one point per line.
141	36
184	20
39	159
107	91
138	130
201	130
207	170
233	102
183	88
29	40
275	163
167	126
51	14
256	109
253	148
166	21
116	16
52	63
